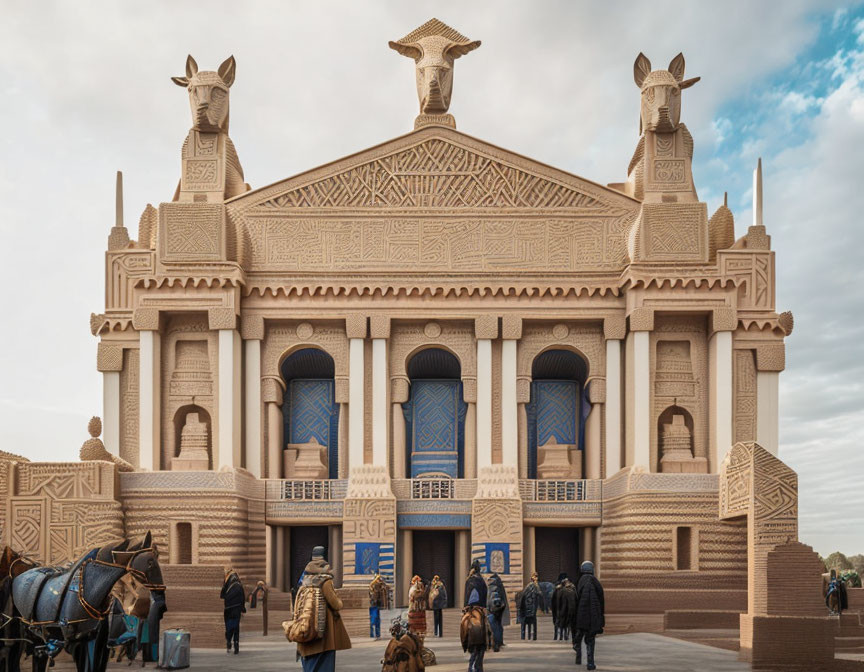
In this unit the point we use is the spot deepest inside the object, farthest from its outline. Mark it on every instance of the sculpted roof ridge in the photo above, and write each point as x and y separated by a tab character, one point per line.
433	27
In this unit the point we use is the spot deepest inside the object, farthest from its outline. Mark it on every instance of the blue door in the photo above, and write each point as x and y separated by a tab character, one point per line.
551	413
312	412
435	420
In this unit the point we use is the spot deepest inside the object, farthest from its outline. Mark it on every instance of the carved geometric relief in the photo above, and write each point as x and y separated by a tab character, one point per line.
673	232
191	231
754	271
744	419
129	407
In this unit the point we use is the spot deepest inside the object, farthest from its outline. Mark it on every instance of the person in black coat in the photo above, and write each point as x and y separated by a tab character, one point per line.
234	598
563	603
589	617
475	582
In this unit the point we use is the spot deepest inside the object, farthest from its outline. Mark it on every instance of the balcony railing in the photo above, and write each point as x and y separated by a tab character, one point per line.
432	488
320	490
558	491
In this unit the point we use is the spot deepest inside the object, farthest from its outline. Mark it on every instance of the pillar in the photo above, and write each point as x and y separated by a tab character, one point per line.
280	557
334	553
768	410
641	400
462	565
406	561
253	406
592	441
523	441
355	327
380	331
275	429
512	330
149	396
720	395
471	440
342	440
587	544
111	411
270	553
229	452
485	328
614	330
399	441
530	553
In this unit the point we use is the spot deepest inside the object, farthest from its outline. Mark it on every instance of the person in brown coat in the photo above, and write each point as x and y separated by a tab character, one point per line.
319	655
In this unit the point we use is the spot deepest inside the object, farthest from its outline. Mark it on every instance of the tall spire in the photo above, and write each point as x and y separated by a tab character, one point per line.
757	194
118	239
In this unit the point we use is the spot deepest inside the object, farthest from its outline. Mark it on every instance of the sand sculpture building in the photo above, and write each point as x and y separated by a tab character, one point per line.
430	351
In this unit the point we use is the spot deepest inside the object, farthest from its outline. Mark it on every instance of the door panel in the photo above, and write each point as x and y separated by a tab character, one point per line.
433	554
435	416
303	540
556	551
313	413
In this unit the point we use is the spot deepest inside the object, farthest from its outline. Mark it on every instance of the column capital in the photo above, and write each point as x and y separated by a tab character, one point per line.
379	326
341	390
642	319
221	318
771	356
486	327
252	328
109	357
724	319
469	390
614	327
597	390
145	319
523	389
399	390
271	391
355	326
511	328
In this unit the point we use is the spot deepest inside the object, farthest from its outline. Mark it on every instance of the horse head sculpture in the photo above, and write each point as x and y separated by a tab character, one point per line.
434	47
661	94
208	94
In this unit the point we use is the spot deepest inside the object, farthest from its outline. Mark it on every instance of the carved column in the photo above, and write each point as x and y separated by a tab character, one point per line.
406	562
342	440
270	554
229	453
530	553
523	440
471	440
334	553
641	324
398	470
146	322
109	361
593	426
280	557
720	390
486	329
587	544
380	331
271	390
252	332
511	333
356	331
614	330
770	361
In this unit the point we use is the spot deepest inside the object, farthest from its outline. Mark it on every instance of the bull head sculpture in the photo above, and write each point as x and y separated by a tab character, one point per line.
208	94
434	46
661	94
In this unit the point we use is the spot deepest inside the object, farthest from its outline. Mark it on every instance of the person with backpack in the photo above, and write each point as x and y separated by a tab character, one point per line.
474	631
379	598
530	601
438	602
418	596
317	626
475	582
403	652
589	616
564	595
234	599
498	610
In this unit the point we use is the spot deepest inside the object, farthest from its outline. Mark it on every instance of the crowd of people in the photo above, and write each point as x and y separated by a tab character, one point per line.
578	616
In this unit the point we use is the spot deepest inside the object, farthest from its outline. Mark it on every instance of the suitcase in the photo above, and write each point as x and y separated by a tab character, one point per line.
174	652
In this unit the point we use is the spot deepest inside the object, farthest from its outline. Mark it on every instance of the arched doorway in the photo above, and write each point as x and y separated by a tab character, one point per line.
558	408
309	409
435	416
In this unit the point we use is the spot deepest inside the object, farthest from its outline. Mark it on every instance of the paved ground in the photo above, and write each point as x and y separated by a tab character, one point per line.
615	653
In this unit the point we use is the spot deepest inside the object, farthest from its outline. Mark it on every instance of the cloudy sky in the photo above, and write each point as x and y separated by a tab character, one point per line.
86	91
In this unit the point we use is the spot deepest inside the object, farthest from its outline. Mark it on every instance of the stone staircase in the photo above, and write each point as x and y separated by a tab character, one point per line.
850	635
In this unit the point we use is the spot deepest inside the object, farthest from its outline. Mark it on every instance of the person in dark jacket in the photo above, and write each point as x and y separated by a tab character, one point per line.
589	617
530	601
564	594
438	602
475	582
498	610
474	602
234	598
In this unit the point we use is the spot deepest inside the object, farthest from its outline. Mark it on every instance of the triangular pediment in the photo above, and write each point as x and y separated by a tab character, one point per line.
435	168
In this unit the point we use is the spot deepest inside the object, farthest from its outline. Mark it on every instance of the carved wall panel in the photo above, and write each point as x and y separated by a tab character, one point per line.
366	521
408	337
754	271
129	407
189	377
679	363
744	420
123	268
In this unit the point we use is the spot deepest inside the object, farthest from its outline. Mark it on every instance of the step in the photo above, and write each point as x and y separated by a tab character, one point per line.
849	644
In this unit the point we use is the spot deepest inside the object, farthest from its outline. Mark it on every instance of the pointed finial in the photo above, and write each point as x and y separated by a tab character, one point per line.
118	239
757	194
725	199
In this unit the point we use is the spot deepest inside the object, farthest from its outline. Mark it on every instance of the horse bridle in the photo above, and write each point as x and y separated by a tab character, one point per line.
137	574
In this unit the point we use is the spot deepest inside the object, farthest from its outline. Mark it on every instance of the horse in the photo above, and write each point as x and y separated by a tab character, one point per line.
11	565
68	608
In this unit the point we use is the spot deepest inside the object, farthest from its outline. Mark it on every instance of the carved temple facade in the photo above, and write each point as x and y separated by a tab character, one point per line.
431	351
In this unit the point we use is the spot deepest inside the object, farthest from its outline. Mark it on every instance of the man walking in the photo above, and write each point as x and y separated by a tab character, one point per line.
499	610
474	629
379	598
530	601
234	598
589	617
